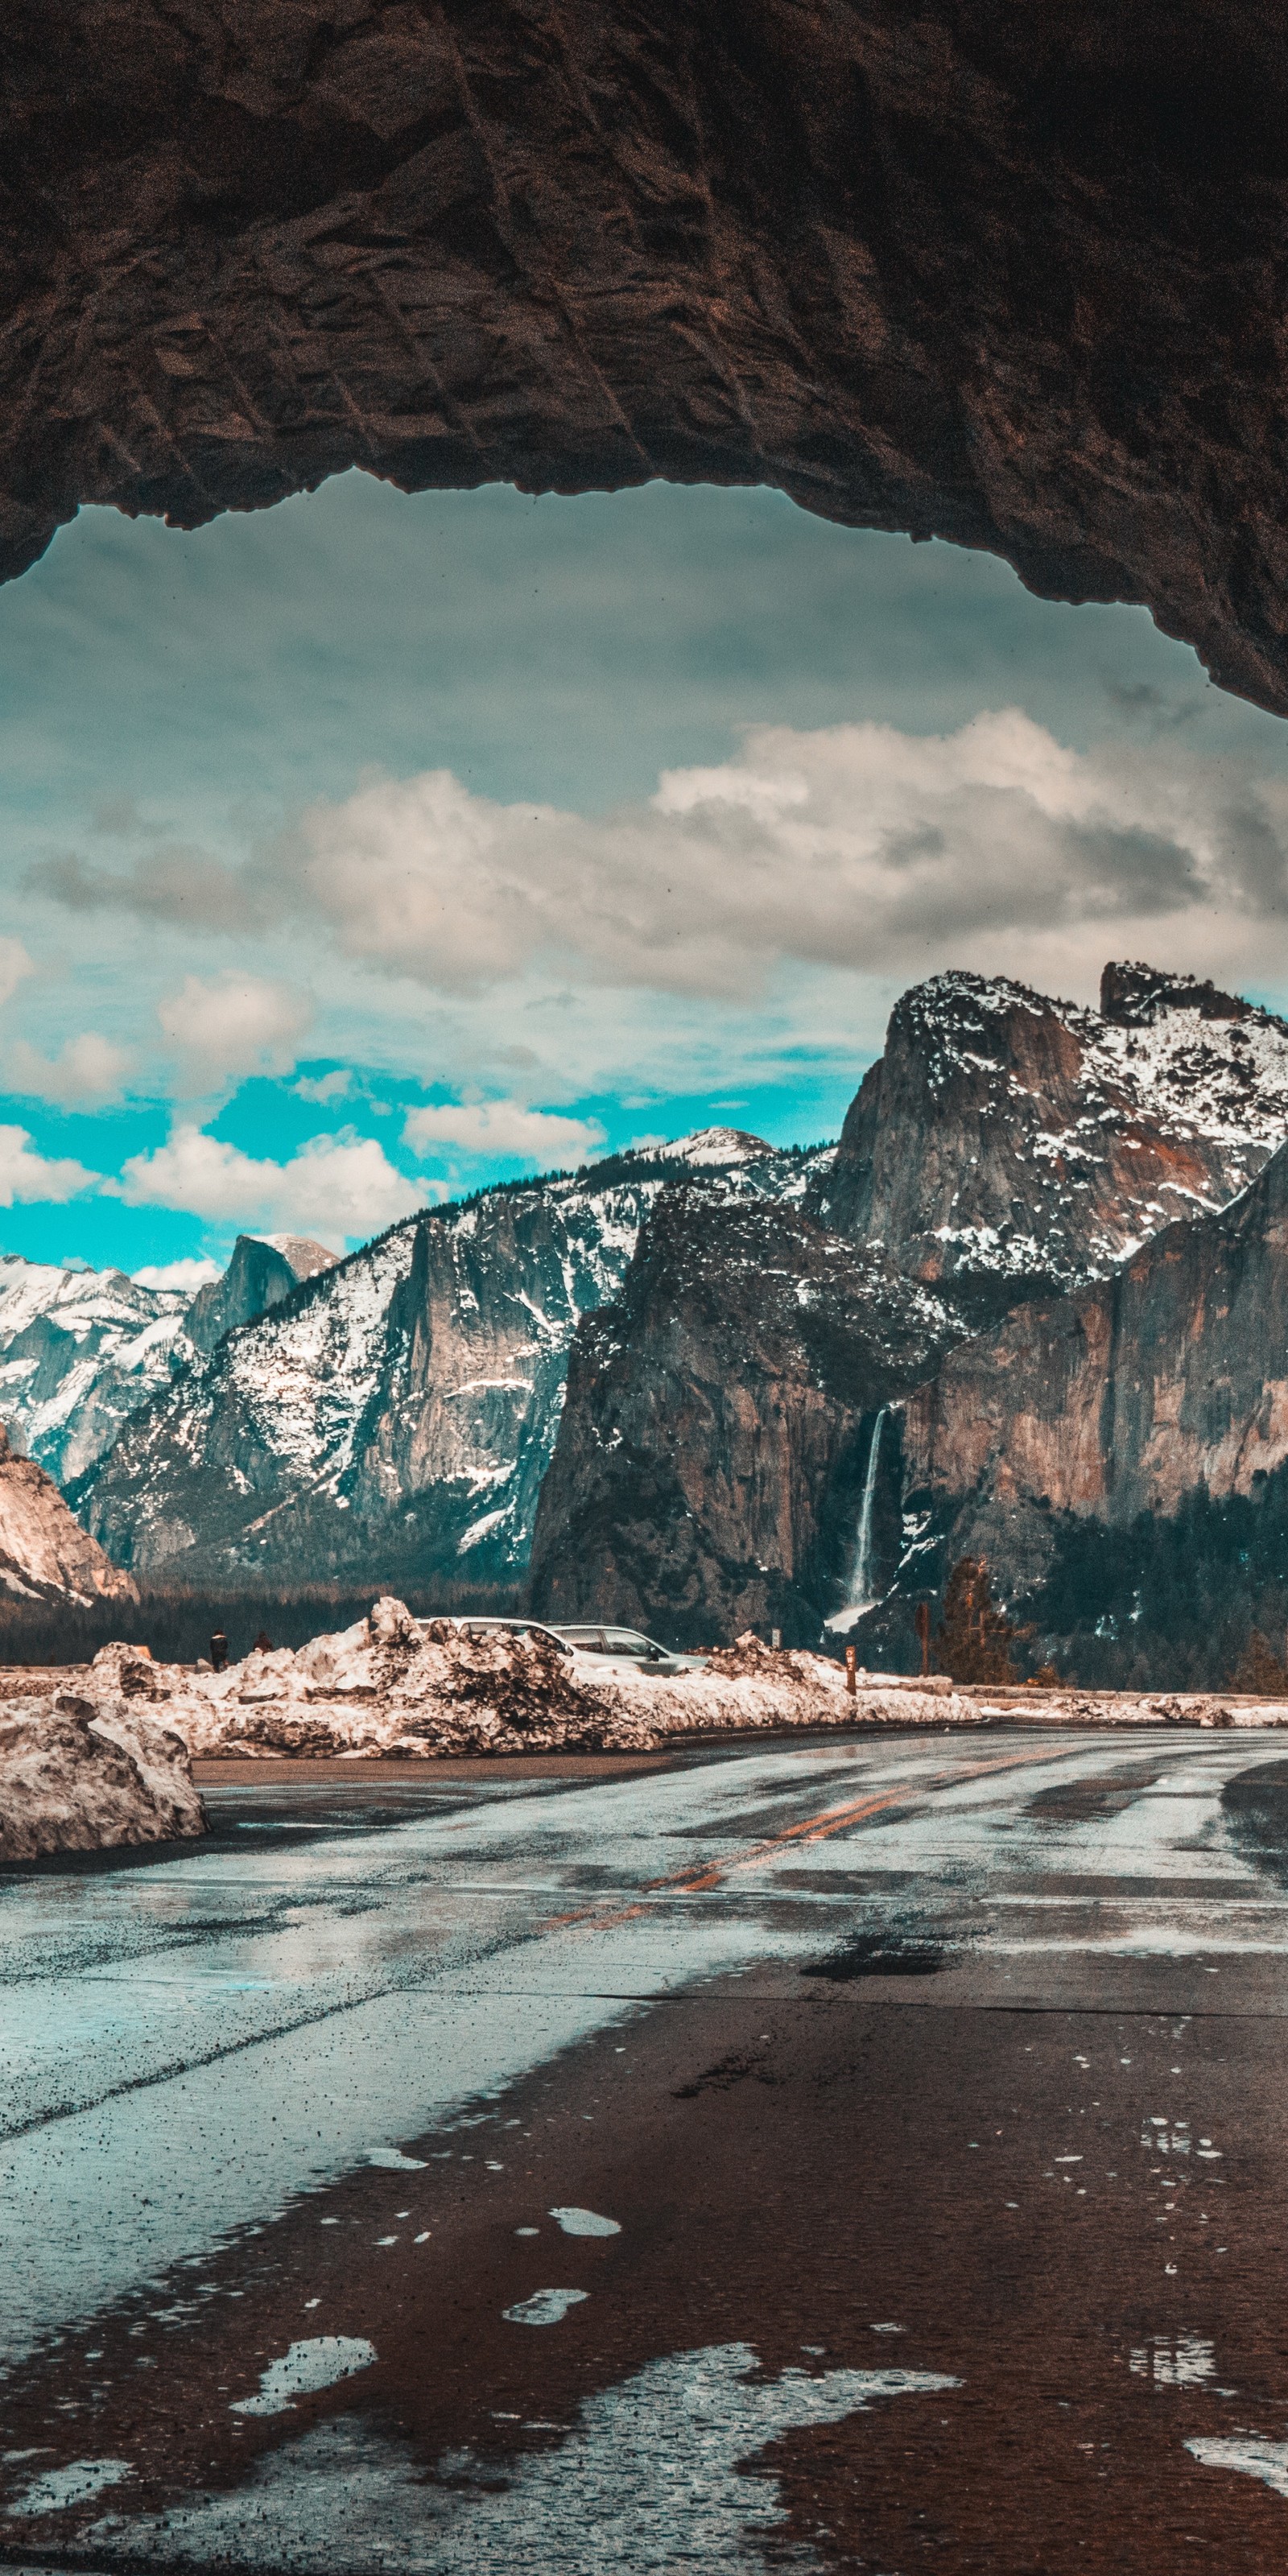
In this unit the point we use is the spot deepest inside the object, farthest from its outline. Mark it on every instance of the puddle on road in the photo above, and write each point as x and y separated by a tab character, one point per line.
648	2480
877	1955
1174	2361
585	2222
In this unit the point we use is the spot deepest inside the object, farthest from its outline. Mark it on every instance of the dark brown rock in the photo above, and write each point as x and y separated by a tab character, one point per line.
1008	276
1169	1377
718	1424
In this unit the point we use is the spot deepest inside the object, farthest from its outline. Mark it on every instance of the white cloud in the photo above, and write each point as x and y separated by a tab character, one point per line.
14	964
860	847
26	1175
503	1129
90	1068
334	1185
238	1025
189	1275
326	1086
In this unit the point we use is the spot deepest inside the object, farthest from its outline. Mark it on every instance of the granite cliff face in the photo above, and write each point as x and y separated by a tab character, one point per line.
1169	1377
1005	1144
261	1274
1006	276
720	1419
398	1412
1005	1148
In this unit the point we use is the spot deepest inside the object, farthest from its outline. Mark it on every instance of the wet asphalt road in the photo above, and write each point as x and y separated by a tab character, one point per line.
861	2154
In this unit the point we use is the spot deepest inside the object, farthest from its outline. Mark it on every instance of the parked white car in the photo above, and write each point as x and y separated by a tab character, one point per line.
625	1653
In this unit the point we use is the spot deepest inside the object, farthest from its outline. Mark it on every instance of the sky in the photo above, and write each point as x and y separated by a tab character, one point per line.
366	850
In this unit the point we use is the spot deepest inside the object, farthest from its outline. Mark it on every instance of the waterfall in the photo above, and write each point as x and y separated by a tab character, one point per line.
861	1595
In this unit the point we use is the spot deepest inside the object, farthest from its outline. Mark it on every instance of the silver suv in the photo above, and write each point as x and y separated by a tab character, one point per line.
628	1651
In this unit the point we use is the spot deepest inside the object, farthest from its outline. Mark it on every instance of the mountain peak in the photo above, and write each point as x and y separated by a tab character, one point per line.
1134	997
725	1145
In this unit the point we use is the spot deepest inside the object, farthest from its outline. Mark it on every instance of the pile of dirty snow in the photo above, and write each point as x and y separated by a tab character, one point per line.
82	1774
387	1686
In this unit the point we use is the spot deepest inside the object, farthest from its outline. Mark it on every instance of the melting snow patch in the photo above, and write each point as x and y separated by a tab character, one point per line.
585	2222
1255	2459
319	2363
545	2307
75	2484
648	2479
1174	2361
394	2161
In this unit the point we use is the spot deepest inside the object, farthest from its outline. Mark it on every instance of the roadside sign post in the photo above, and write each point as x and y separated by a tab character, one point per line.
851	1670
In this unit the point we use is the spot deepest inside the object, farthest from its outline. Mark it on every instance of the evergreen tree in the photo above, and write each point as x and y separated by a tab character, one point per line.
1260	1670
974	1636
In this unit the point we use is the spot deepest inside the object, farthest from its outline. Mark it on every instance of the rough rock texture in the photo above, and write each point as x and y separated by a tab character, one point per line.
396	1418
719	1421
1002	275
88	1774
1005	1144
259	1276
1171	1375
45	1555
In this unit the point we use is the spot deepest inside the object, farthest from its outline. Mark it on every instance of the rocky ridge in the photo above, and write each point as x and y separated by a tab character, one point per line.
399	1410
718	1463
81	1349
45	1555
1005	1144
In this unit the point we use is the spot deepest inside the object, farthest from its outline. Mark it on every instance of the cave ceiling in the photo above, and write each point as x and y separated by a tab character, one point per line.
1009	275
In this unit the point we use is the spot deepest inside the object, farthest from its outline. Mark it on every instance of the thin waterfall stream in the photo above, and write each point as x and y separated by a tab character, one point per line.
862	1596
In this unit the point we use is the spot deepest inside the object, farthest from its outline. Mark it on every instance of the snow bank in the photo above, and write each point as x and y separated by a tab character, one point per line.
80	1774
386	1686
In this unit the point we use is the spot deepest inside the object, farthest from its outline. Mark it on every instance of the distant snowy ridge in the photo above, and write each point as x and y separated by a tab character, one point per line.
81	1349
400	1408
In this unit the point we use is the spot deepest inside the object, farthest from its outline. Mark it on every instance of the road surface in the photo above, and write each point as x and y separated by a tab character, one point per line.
865	2154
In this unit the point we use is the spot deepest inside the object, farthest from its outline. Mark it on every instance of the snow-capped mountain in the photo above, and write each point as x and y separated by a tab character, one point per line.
81	1349
1005	1142
392	1418
1005	1151
397	1413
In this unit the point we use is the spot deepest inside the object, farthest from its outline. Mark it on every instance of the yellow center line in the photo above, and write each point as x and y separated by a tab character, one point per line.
833	1820
813	1829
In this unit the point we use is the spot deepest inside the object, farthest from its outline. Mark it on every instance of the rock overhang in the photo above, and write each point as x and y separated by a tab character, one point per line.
1005	277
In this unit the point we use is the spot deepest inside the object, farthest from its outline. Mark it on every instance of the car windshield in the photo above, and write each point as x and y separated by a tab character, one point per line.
582	1636
628	1641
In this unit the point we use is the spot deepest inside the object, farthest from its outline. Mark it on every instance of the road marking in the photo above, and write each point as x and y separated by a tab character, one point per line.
812	1829
834	1820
